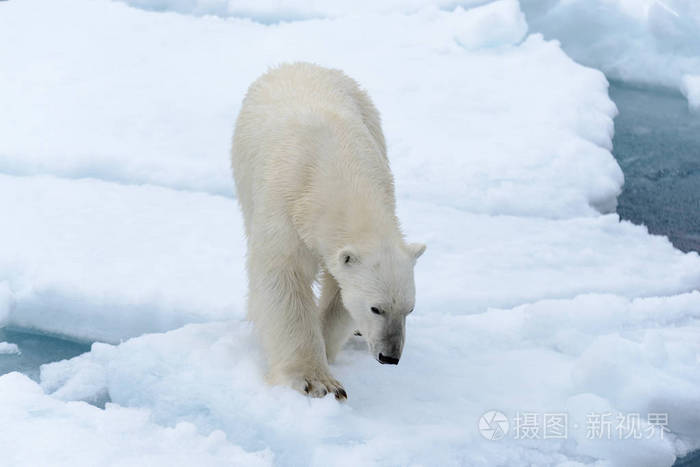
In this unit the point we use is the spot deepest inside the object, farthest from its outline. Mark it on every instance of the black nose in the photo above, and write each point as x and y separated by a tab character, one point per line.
390	360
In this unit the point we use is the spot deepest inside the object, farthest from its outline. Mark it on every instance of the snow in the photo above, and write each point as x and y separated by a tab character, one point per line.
645	41
292	10
532	295
42	430
7	348
547	356
493	24
650	42
106	261
129	118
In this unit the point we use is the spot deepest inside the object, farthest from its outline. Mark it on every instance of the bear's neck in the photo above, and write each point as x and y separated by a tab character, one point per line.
348	198
357	212
359	224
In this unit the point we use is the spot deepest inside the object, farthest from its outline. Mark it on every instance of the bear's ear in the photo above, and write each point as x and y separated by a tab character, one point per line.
416	249
347	256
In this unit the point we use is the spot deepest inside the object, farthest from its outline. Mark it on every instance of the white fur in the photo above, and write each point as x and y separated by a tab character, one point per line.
313	181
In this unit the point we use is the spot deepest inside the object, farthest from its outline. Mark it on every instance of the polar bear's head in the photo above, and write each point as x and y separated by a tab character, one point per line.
378	290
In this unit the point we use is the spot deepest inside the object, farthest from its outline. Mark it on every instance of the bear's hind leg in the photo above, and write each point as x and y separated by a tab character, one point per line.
337	323
282	307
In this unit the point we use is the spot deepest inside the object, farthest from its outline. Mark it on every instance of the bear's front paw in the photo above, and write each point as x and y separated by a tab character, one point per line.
316	387
317	384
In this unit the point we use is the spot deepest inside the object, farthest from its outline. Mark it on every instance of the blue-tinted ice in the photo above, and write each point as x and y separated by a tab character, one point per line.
35	351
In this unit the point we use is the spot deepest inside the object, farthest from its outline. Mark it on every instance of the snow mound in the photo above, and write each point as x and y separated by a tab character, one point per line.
37	430
267	11
157	105
104	261
493	24
7	348
552	356
645	41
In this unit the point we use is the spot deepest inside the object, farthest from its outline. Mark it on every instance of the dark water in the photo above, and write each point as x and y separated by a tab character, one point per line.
691	460
36	350
657	144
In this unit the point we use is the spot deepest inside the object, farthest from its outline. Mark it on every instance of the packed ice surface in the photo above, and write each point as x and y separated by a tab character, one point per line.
654	42
292	10
37	429
146	97
546	357
648	41
120	221
107	261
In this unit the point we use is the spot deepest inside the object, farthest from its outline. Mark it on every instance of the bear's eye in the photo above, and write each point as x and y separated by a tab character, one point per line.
376	311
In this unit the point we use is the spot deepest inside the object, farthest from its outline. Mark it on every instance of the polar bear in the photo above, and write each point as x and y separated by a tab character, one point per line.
317	195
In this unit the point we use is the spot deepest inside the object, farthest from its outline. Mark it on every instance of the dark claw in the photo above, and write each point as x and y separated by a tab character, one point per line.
358	333
307	388
340	394
325	391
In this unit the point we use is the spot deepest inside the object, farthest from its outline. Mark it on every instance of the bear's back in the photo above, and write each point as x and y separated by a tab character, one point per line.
304	92
300	129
